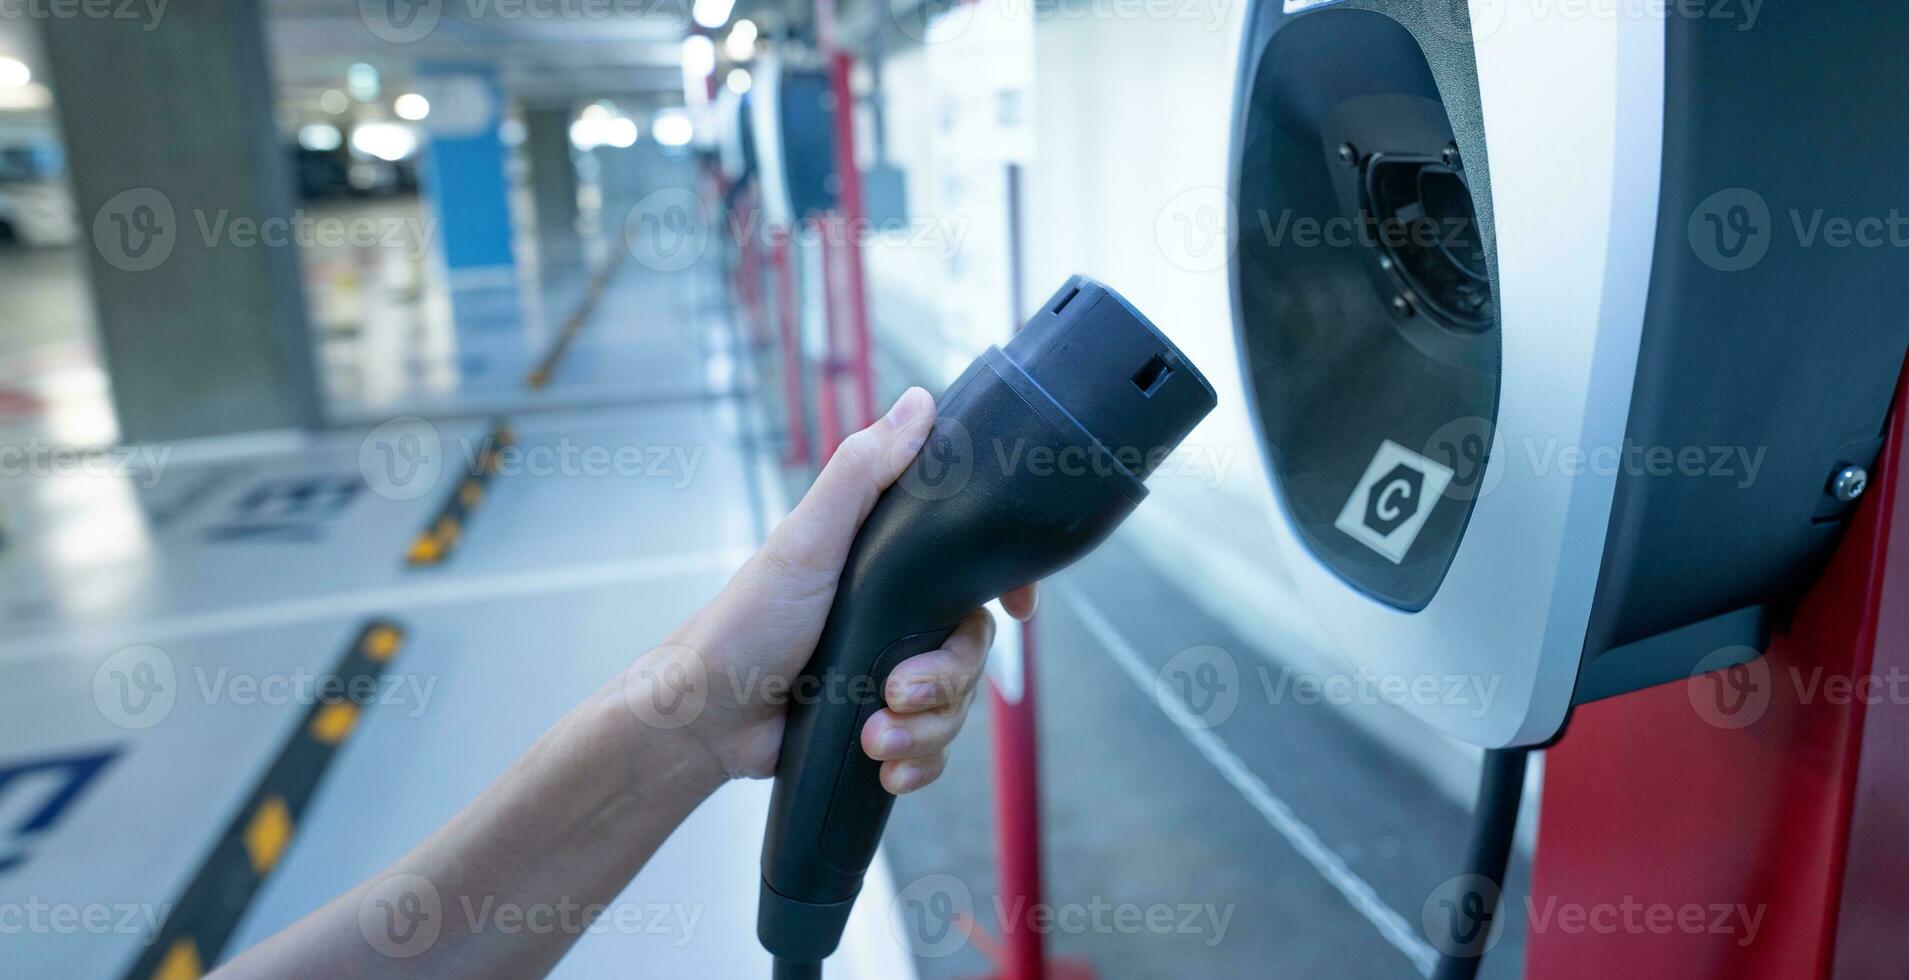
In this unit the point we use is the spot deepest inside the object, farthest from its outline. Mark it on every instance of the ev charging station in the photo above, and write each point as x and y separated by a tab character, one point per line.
788	106
1577	400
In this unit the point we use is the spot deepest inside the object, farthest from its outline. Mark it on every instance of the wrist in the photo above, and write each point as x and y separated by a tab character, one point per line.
660	706
734	723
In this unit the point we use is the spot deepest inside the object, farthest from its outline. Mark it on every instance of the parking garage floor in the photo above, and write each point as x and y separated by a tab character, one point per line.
1280	841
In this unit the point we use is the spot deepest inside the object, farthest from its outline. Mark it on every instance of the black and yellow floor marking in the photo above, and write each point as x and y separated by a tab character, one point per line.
446	528
441	535
539	376
203	918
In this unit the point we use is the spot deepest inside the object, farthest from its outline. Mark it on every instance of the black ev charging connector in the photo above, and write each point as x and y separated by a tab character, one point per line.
1037	453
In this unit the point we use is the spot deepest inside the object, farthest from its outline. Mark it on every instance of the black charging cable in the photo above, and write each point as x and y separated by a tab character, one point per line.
1501	785
791	970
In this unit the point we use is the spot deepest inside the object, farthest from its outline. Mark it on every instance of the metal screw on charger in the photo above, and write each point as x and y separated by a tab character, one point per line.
1348	155
1451	158
1849	483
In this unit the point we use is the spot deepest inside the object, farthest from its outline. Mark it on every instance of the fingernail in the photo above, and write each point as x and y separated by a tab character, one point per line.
921	692
907	778
892	740
910	406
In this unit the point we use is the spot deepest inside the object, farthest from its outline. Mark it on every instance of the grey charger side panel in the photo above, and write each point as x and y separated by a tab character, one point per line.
1768	349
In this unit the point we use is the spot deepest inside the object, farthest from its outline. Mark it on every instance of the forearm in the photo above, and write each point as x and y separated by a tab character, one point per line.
562	831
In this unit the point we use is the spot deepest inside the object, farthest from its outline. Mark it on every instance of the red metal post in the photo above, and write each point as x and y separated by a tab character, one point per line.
797	423
1747	823
828	397
1874	904
855	225
749	271
1017	822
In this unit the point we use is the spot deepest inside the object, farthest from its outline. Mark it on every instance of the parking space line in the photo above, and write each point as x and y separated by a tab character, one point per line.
431	546
440	536
1357	891
573	325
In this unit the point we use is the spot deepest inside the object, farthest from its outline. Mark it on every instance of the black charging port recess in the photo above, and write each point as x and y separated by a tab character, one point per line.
1069	298
1430	249
1152	375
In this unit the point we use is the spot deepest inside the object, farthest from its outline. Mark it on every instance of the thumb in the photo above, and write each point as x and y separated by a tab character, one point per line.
817	533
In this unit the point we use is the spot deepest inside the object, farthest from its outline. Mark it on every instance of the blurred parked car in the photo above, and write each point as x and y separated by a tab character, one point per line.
36	208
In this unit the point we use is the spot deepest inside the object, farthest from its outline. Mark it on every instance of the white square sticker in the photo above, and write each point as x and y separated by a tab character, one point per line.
1390	504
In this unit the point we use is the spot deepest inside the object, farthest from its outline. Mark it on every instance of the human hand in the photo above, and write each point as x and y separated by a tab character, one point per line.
734	662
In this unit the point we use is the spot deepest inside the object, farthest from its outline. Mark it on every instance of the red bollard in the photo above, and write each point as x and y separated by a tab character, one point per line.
828	405
1017	823
797	423
749	278
853	219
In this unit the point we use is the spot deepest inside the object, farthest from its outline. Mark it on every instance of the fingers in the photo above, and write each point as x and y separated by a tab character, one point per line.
927	697
912	736
816	535
906	777
945	677
1022	602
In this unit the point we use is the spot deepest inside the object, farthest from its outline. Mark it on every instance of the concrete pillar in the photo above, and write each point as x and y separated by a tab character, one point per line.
179	174
553	178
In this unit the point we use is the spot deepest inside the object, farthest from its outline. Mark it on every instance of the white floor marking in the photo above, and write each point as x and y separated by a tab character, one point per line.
1358	893
395	599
